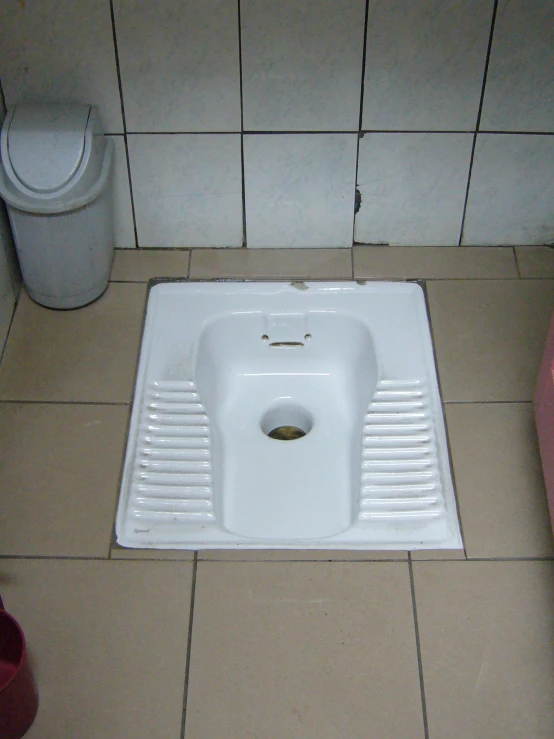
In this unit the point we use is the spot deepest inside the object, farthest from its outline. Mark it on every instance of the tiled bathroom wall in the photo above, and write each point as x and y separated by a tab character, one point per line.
255	121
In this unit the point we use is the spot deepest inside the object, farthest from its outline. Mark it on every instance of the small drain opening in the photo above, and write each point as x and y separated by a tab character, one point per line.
286	433
286	423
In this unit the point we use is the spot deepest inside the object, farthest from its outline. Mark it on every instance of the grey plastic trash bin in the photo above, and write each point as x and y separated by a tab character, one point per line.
55	177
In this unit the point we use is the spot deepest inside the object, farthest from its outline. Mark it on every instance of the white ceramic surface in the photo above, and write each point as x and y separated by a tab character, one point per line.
224	364
413	188
302	64
519	95
299	189
510	195
179	65
425	62
60	51
187	189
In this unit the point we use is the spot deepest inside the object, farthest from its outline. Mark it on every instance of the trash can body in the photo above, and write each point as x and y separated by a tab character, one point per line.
58	189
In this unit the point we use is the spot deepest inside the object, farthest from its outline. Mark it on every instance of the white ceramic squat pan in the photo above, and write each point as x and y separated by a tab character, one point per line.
287	415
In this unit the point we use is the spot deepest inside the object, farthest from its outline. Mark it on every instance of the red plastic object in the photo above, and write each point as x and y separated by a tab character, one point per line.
18	693
543	403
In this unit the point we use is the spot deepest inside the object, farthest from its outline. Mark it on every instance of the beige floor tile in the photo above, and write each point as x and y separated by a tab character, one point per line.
86	355
309	650
59	477
499	480
141	265
486	631
295	555
535	261
433	262
285	264
489	336
108	643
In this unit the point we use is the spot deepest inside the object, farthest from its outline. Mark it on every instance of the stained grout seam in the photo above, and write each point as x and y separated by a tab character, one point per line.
189	645
546	558
142	282
307	560
418	650
198	558
69	558
514	250
356	203
477	124
124	403
242	167
310	278
124	121
8	332
488	402
337	132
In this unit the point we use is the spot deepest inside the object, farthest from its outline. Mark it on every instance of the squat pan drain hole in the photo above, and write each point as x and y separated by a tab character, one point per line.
286	423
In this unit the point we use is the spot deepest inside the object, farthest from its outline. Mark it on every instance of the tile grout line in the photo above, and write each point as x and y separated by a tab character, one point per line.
120	477
478	122
8	332
104	558
137	282
394	278
362	83
453	474
124	121
443	411
115	404
241	93
189	263
2	97
368	278
466	198
517	262
189	645
345	131
546	558
357	198
60	557
418	649
488	402
473	279
130	409
358	560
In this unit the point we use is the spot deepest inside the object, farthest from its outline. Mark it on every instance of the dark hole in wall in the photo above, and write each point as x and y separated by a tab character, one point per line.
357	201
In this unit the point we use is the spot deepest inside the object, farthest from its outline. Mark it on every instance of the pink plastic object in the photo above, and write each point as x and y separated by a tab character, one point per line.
18	693
544	416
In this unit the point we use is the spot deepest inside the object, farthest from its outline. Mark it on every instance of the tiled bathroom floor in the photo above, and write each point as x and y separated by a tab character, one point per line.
283	644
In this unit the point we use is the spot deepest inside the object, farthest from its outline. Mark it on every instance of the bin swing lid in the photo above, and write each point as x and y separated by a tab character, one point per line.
45	144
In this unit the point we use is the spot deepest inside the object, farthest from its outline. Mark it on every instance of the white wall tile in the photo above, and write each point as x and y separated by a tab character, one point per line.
425	64
60	51
123	211
413	188
519	95
302	64
299	189
179	64
187	189
510	195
